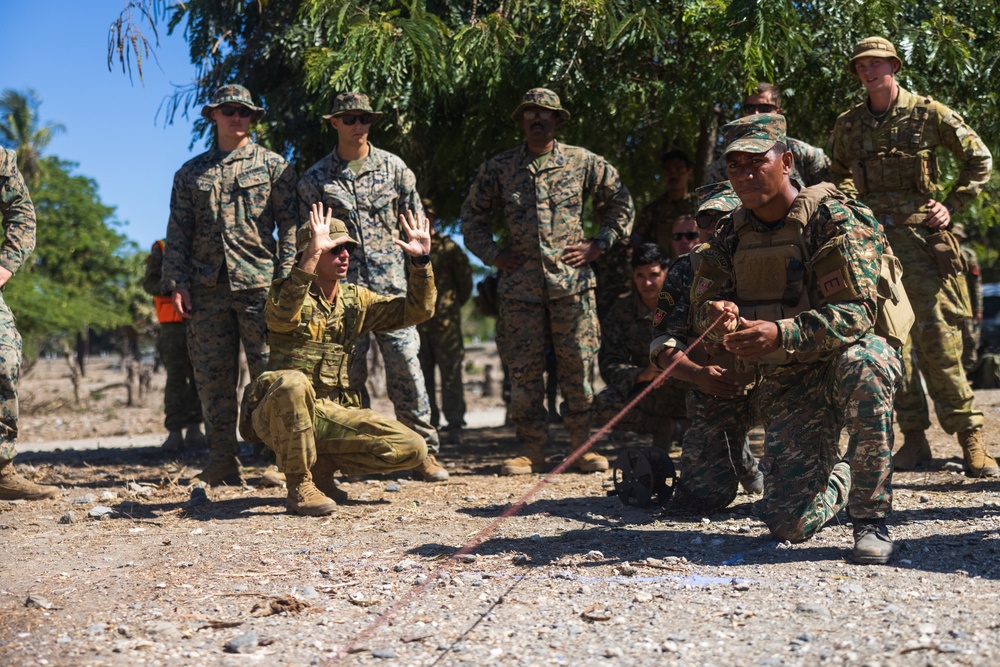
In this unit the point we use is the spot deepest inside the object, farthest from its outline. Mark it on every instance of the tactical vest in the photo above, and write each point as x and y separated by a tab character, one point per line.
905	167
326	362
164	305
770	271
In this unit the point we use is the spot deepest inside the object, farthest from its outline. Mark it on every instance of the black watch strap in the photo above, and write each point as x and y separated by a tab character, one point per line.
422	260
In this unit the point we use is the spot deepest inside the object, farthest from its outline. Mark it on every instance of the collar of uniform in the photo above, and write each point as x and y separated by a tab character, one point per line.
232	156
641	310
339	166
556	158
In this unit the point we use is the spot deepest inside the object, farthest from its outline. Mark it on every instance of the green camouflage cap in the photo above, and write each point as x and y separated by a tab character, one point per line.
351	101
540	97
713	199
754	134
429	209
873	47
232	94
338	233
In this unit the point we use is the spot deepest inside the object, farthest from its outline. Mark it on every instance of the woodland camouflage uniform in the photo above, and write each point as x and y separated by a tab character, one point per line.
441	343
625	338
542	203
370	203
225	208
889	163
715	451
19	240
829	371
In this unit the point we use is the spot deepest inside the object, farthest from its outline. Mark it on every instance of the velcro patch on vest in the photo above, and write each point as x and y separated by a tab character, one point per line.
702	288
833	283
658	316
668	297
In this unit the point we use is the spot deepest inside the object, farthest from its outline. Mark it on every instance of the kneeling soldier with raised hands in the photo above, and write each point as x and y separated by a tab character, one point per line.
303	407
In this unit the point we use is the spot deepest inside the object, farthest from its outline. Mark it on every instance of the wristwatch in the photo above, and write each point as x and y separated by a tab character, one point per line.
951	209
602	243
422	260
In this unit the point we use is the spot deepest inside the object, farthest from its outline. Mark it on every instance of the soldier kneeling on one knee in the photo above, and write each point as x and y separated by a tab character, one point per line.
303	407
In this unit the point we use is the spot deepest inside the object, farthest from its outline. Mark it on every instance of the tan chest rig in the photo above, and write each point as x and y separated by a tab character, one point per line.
904	165
327	362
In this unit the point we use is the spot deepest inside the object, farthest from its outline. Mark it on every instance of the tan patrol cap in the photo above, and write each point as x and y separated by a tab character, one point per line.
338	234
873	47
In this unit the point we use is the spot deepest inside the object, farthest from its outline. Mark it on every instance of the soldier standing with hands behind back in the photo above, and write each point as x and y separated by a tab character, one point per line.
884	153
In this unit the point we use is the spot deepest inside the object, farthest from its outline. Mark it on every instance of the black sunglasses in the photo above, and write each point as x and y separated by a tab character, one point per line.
349	247
229	111
364	119
690	236
759	108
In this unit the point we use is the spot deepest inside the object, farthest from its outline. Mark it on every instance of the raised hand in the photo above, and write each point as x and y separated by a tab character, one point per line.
320	226
418	234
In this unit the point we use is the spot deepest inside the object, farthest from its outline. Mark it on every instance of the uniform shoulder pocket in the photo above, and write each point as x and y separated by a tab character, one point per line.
830	269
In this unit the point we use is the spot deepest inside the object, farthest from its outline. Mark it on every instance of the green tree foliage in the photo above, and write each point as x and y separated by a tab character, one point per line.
640	76
19	131
82	274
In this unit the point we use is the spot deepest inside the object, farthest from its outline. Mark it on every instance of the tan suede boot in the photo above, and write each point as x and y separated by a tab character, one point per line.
430	470
532	459
914	451
304	498
591	462
272	477
978	462
220	471
15	487
323	477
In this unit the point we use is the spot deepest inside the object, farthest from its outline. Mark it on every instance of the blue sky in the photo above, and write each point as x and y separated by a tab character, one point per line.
59	48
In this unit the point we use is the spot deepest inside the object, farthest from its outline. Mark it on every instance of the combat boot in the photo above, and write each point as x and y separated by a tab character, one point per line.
304	498
194	438
914	451
174	442
272	477
591	462
532	459
872	544
978	462
323	477
15	487
430	470
220	471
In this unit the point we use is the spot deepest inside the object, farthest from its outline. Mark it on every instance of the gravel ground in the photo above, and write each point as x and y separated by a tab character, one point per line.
576	578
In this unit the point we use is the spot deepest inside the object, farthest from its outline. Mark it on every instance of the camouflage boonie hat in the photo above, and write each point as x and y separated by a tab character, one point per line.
232	94
873	47
351	101
754	134
540	97
338	233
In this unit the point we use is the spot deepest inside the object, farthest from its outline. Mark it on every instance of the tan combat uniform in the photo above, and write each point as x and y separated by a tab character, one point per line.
304	408
889	163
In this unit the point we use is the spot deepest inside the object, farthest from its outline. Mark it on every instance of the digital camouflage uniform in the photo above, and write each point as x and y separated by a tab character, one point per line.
181	405
830	370
655	222
811	165
224	211
19	240
370	203
441	336
890	165
305	407
542	212
624	354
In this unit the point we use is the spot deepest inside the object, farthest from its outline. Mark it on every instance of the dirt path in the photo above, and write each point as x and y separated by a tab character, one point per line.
574	579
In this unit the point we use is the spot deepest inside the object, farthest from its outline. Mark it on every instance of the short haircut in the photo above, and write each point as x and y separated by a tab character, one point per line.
676	154
765	88
647	253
